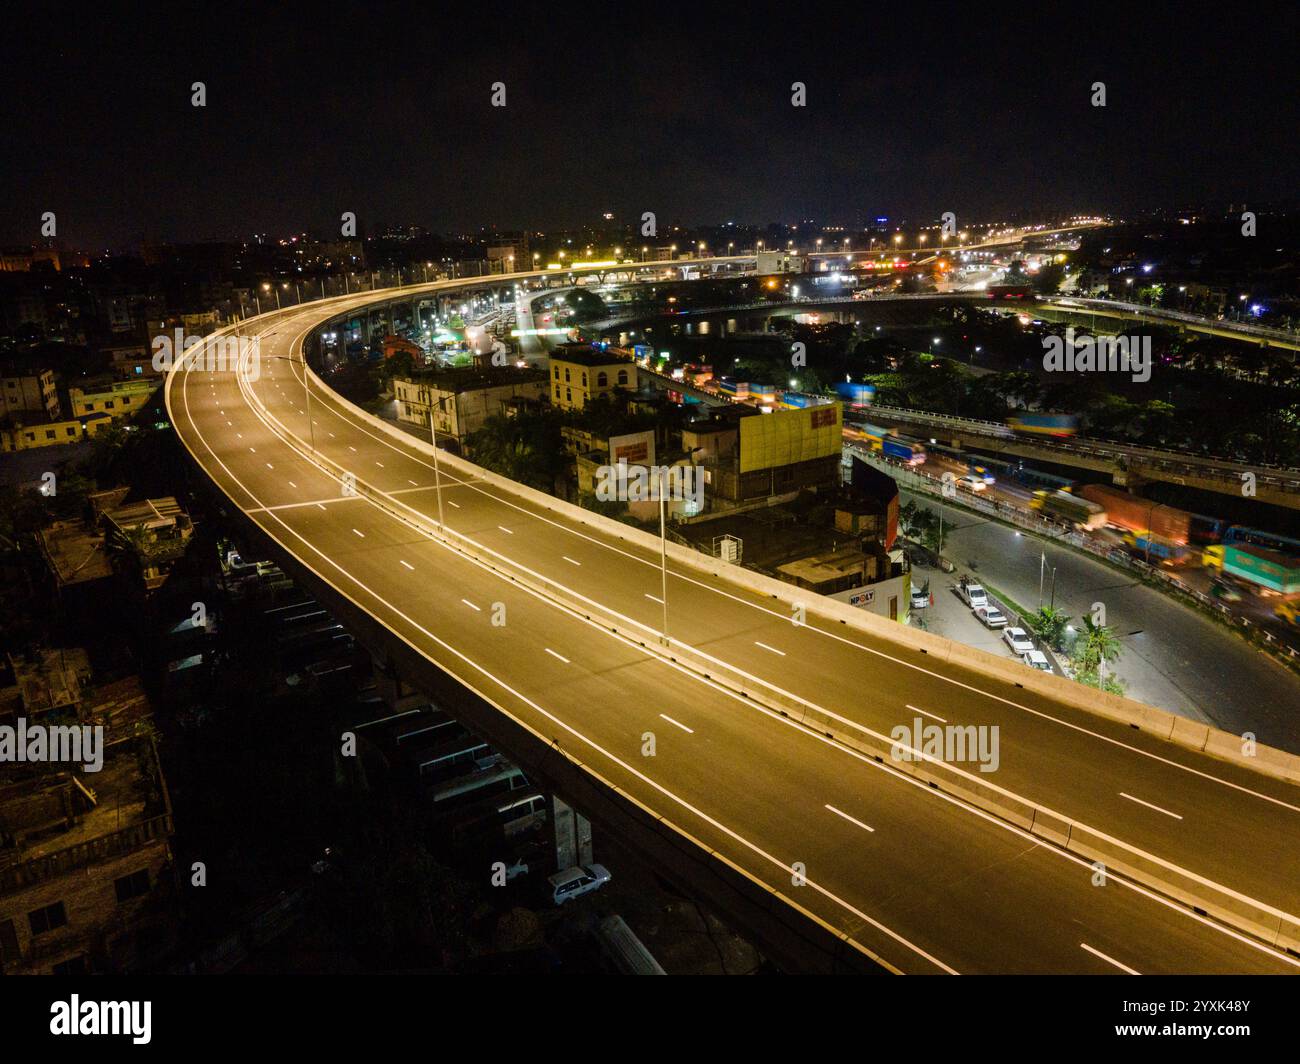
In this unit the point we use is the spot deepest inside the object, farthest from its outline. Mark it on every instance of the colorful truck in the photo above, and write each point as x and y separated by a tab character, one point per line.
1136	514
904	450
1264	568
856	394
1045	424
1082	513
1154	548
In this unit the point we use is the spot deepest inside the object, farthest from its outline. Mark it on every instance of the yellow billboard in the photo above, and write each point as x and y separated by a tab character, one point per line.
784	437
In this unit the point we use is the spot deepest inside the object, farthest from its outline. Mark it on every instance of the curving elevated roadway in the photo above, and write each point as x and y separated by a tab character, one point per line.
910	871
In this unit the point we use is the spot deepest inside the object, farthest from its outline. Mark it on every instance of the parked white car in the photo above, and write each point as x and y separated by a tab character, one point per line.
1018	640
920	599
991	617
577	881
1036	659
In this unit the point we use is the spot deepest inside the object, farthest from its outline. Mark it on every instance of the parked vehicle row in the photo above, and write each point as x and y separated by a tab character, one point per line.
1018	641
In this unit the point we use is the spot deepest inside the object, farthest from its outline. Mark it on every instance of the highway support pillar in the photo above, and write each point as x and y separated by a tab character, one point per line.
397	696
572	834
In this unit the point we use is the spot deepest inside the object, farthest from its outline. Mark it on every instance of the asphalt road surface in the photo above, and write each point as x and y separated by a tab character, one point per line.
927	883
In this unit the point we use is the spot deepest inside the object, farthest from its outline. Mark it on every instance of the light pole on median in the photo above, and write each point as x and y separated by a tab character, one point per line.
663	547
306	391
437	475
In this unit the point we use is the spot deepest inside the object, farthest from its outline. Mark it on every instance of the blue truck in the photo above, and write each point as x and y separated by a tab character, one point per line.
904	450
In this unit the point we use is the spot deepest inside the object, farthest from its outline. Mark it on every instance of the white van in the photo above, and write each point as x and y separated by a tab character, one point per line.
577	881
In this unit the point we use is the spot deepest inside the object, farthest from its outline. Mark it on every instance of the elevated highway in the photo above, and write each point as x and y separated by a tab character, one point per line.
1128	464
749	749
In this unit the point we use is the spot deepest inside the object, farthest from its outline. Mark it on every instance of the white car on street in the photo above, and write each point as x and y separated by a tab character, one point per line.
972	483
991	617
577	881
1018	640
1036	659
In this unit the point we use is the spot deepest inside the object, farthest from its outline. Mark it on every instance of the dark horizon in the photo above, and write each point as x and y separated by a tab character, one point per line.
388	114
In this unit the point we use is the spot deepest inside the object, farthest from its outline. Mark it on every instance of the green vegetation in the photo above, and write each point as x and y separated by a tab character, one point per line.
1049	625
527	448
921	525
1093	650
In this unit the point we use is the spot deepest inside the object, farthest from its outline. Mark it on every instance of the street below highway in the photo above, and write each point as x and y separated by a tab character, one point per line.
1173	656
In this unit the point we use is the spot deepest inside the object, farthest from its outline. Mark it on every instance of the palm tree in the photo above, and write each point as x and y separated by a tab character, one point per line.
1049	625
1100	645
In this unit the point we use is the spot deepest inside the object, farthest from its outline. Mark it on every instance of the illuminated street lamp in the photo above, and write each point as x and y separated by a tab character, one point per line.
663	546
433	438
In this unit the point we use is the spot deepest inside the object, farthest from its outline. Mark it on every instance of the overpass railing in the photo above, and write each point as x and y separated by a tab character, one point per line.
1263	331
1287	478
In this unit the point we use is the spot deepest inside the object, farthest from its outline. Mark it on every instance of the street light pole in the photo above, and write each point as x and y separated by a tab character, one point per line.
306	390
437	475
663	547
1042	570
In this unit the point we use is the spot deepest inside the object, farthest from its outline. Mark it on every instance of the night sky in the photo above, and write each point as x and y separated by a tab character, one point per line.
684	110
